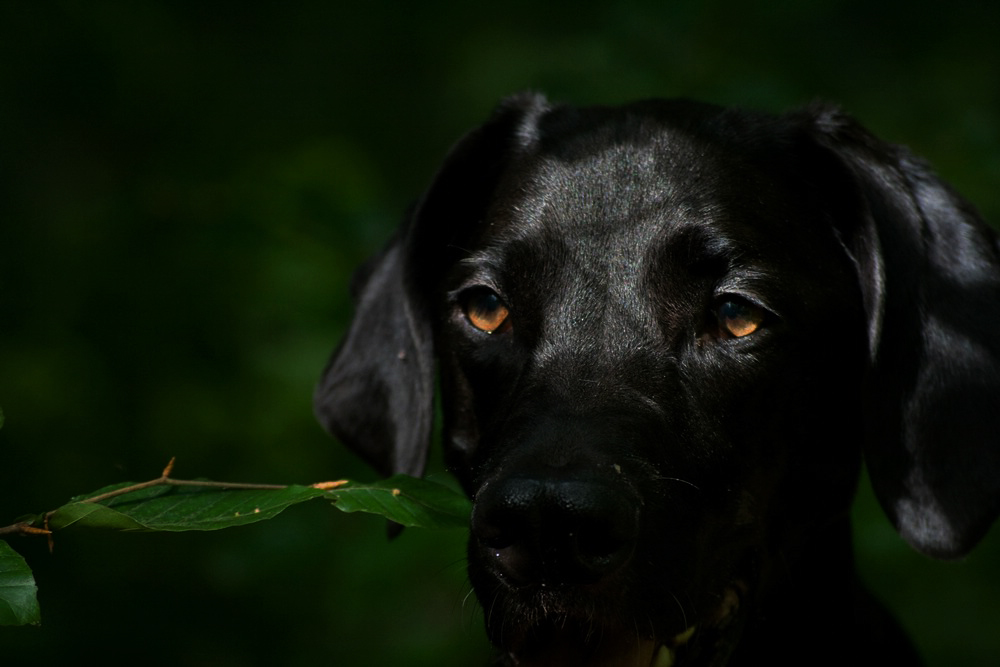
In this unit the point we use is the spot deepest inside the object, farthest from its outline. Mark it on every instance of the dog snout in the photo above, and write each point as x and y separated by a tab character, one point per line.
553	530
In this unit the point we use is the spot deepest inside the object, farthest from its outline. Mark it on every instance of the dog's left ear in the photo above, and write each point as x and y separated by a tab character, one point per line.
929	273
377	392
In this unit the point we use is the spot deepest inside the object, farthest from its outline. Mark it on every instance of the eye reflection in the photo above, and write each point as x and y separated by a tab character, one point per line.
486	311
738	317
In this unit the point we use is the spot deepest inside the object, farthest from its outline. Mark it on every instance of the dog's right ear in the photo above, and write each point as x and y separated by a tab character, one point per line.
377	392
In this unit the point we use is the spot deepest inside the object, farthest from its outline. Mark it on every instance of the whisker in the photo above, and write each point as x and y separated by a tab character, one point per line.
682	481
681	607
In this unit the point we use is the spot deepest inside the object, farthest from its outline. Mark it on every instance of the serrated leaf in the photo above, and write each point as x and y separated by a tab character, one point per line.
406	500
174	509
18	593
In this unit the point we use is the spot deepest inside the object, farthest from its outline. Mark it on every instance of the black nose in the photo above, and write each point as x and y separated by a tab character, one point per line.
555	530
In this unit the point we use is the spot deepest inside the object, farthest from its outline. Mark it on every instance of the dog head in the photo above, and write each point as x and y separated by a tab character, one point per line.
666	334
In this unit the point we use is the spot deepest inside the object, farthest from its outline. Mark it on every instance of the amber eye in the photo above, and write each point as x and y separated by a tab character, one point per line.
485	311
738	318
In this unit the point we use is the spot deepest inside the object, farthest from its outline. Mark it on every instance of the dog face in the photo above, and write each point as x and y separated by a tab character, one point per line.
665	335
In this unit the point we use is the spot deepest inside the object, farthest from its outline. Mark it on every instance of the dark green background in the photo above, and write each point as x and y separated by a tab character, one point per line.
184	189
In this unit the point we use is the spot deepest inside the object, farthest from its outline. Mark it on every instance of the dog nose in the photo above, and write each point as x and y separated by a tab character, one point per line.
556	531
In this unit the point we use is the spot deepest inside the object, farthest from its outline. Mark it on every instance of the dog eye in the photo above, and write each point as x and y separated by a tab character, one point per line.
738	317
485	311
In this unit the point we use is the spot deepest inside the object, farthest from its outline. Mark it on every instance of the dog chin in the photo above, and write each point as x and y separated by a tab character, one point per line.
561	640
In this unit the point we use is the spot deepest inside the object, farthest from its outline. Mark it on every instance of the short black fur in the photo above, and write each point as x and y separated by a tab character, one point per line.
640	465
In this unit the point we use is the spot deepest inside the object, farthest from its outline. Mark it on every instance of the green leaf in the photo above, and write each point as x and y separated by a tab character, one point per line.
18	593
172	508
408	501
167	507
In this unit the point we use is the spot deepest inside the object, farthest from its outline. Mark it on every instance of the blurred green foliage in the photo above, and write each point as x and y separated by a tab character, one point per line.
184	191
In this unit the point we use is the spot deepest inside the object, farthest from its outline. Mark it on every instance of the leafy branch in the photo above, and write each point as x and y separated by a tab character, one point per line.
168	504
30	525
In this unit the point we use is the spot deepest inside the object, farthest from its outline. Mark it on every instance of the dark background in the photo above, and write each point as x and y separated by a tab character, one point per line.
184	190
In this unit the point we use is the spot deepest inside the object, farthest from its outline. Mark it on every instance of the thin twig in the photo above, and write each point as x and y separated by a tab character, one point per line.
166	480
23	528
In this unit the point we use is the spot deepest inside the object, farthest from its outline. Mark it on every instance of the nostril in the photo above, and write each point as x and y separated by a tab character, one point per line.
507	514
601	546
597	544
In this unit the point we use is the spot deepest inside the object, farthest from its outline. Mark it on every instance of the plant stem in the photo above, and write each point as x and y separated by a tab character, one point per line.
23	528
166	480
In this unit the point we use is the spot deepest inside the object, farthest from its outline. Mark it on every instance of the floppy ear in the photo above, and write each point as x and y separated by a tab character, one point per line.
930	275
377	392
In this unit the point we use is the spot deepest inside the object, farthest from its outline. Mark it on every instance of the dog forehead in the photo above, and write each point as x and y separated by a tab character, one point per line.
590	186
602	206
599	183
588	213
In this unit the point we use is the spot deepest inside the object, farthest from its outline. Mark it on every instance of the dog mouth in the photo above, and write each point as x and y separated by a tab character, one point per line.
708	642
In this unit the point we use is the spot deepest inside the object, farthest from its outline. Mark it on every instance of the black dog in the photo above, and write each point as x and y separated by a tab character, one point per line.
666	333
